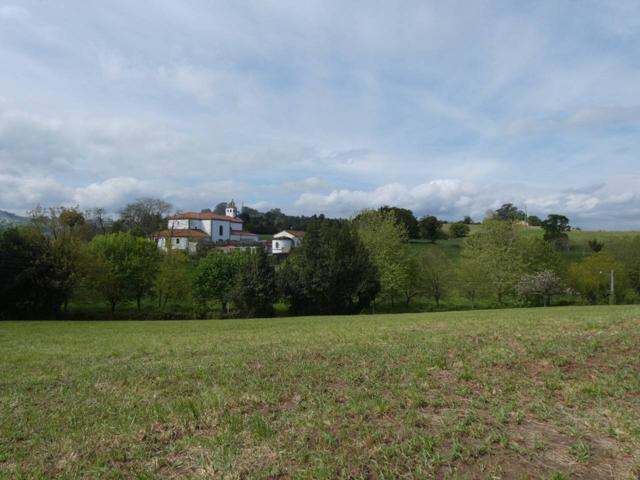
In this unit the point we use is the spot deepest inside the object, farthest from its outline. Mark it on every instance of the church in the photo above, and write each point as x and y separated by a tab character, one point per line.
184	230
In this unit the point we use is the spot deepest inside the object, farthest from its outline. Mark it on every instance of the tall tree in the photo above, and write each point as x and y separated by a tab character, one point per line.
436	274
534	221
384	238
64	231
537	255
174	279
145	216
120	267
406	218
330	273
509	212
215	276
494	246
555	228
255	288
431	228
414	285
471	279
29	285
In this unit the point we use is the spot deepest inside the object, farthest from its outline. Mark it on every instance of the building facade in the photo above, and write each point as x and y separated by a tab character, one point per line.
283	242
185	230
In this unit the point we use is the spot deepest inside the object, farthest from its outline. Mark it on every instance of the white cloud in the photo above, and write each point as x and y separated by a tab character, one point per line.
190	80
440	108
452	199
14	12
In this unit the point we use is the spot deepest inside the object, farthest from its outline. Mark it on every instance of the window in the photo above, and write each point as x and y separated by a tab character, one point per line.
277	244
178	241
221	230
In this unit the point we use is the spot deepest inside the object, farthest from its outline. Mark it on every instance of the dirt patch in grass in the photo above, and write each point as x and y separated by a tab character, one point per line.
549	449
538	450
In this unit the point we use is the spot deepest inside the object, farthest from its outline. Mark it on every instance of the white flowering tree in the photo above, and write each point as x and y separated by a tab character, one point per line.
542	284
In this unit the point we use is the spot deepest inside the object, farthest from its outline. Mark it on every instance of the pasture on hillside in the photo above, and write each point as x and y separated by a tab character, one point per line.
526	393
578	241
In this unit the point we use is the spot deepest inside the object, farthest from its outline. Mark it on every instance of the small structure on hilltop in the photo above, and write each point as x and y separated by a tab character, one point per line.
186	230
284	241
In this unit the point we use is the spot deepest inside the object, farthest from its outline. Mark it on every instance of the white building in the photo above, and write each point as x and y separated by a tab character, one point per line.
184	230
284	241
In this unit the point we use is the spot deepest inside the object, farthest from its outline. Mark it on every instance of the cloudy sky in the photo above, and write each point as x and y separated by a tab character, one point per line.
447	108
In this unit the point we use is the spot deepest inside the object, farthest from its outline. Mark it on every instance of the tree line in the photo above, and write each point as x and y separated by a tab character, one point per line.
66	257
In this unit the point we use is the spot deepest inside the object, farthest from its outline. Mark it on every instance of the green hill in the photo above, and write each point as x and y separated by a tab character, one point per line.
527	393
578	241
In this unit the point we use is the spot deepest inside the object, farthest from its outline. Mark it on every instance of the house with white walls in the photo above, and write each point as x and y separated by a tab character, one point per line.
185	230
286	240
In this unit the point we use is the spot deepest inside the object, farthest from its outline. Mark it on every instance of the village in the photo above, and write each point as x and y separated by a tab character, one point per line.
190	231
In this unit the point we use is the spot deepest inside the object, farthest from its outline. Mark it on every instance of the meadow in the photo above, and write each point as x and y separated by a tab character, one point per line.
550	393
577	249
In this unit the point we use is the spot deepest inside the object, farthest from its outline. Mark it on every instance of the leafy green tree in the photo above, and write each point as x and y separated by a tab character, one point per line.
255	289
431	228
471	279
121	267
459	230
494	246
30	285
272	221
406	218
508	212
413	285
216	275
174	278
534	221
538	255
62	229
384	238
591	277
555	228
145	267
627	251
437	274
541	285
330	273
467	220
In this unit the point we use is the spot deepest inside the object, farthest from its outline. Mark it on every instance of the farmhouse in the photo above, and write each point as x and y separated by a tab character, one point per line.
185	230
284	241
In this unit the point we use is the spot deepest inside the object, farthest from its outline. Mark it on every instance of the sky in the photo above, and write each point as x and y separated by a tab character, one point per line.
447	108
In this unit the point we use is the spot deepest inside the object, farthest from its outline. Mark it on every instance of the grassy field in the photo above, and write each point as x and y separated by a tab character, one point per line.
578	241
530	393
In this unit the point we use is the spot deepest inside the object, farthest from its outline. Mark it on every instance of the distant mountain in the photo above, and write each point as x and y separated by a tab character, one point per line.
9	217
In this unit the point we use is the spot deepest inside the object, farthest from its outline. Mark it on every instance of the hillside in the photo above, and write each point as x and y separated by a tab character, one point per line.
9	217
528	393
578	241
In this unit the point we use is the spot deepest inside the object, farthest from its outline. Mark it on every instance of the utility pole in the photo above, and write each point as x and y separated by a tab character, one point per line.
612	286
612	292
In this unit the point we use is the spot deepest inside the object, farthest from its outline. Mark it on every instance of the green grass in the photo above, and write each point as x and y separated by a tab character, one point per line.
527	393
578	241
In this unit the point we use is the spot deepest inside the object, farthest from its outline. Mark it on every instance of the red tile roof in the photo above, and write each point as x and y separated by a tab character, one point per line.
182	233
204	216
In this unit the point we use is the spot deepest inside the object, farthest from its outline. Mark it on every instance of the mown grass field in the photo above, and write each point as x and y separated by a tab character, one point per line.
527	393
